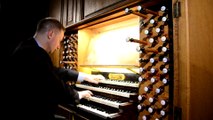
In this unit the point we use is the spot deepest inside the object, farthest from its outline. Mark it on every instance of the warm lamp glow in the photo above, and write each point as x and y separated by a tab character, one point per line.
106	45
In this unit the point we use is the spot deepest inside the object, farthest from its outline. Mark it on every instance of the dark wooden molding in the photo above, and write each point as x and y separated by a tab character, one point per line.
104	14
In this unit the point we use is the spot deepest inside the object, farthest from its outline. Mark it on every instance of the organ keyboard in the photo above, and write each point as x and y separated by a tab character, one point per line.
121	83
100	112
112	98
110	102
108	90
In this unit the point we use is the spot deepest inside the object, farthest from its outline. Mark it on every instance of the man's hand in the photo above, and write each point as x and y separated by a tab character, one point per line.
94	78
85	94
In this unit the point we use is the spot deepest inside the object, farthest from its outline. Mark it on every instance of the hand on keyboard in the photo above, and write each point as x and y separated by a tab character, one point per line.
94	78
85	94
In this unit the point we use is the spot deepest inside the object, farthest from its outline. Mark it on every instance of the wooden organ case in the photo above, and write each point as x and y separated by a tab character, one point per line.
134	53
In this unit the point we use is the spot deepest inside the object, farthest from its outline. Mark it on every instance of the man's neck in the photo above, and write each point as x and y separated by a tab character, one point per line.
41	42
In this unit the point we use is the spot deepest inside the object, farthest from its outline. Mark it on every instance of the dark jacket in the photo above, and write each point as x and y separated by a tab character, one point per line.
37	86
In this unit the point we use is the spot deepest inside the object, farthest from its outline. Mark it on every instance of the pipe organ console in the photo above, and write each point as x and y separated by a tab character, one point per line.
145	94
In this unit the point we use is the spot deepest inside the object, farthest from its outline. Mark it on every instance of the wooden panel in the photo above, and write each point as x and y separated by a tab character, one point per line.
91	6
55	9
107	13
200	56
195	60
72	11
181	68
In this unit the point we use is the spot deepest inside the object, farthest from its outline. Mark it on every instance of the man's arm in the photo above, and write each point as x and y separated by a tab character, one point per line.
74	76
66	74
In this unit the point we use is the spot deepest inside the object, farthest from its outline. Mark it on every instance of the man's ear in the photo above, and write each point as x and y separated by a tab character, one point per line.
50	34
